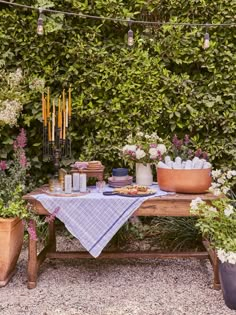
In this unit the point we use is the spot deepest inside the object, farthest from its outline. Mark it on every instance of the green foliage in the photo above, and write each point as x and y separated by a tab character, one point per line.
166	83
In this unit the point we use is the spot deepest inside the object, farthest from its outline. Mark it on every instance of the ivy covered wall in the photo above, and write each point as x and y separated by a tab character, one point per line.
167	82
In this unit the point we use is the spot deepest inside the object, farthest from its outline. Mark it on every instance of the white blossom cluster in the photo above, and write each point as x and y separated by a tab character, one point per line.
37	84
14	78
9	111
221	183
224	256
178	163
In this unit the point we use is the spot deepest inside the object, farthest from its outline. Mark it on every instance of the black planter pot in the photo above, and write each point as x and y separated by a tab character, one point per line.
228	283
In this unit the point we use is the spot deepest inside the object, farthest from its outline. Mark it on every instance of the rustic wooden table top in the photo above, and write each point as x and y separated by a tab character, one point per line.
168	205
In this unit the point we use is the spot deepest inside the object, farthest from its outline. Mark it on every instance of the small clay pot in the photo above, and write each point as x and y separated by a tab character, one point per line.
193	181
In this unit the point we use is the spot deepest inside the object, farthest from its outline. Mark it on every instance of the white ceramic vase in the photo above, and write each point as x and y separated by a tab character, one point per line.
144	175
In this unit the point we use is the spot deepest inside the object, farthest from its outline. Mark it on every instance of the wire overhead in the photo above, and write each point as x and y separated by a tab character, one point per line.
81	15
130	42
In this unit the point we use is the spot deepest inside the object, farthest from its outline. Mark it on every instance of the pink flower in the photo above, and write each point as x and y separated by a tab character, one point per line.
3	165
23	159
52	216
32	232
153	145
21	140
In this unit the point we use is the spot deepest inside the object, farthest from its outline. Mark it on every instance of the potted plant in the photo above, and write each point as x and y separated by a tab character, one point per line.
217	222
13	209
144	150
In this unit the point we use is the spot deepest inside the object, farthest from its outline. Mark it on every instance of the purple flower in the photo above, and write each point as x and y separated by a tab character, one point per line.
3	165
198	153
52	216
186	139
32	232
23	159
153	145
205	155
177	143
21	140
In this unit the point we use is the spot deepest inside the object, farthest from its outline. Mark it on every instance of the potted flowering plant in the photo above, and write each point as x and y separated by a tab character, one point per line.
12	208
217	222
144	150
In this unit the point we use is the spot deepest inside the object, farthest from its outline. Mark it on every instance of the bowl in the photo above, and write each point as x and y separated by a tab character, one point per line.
193	181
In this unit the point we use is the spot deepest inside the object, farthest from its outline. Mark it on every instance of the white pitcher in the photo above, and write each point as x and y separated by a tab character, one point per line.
144	175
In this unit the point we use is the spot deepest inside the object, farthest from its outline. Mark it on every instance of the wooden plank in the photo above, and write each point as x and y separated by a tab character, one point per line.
129	255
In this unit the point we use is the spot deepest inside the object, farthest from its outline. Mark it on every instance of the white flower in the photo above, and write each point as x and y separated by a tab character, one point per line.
221	180
228	210
195	203
147	137
153	153
224	256
216	192
225	189
214	185
215	174
140	154
161	148
232	258
230	174
128	147
213	209
140	134
9	112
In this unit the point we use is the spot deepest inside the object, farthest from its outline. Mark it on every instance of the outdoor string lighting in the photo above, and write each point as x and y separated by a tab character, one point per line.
40	23
206	43
130	35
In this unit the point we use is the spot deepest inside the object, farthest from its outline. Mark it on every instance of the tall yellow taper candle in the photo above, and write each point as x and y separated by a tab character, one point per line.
53	120
69	102
64	100
45	112
48	103
43	106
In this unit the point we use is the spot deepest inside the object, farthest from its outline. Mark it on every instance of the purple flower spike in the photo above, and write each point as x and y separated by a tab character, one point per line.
186	139
3	165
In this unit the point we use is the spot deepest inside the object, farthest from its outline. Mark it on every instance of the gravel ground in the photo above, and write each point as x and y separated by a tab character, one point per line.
109	287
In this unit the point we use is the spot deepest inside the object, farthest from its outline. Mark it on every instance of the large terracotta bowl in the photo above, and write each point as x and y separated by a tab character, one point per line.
193	181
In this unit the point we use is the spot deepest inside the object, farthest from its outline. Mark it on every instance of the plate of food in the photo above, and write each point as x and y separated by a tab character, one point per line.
131	191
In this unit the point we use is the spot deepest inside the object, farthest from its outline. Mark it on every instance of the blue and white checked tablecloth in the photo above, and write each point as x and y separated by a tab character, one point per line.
94	218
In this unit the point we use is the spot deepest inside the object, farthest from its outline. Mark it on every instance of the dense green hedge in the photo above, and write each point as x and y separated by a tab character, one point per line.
166	82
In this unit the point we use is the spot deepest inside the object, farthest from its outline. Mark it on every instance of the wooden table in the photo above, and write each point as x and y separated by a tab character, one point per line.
169	205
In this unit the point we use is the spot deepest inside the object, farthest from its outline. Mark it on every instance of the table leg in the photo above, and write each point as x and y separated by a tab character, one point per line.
52	237
32	261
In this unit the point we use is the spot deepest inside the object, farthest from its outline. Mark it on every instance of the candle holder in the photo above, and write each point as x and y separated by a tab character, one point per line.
56	128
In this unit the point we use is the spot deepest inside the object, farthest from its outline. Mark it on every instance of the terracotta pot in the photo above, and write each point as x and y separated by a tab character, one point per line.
193	181
11	240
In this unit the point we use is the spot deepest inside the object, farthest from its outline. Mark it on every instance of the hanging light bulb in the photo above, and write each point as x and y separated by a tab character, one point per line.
206	43
130	35
40	23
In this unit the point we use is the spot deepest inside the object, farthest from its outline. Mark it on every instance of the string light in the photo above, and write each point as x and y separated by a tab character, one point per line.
130	35
206	43
40	23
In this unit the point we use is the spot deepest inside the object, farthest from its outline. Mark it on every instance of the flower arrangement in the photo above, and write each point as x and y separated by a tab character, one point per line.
143	148
217	221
